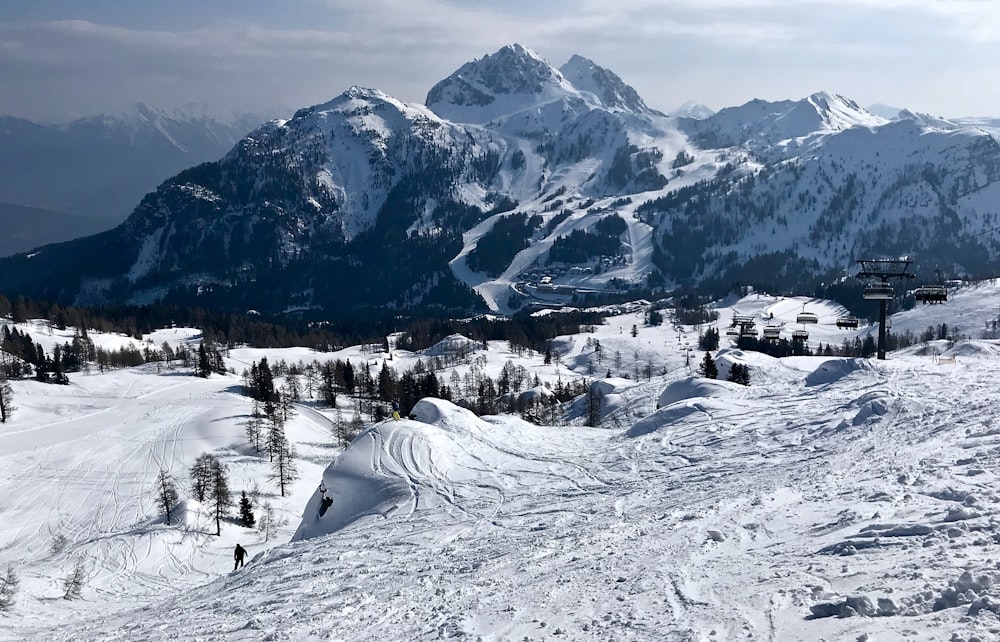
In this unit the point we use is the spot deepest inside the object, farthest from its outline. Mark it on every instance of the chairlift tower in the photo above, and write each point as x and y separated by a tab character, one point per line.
879	288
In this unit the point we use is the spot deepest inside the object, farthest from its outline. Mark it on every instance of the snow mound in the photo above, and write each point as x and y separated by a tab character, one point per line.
973	349
450	345
677	412
445	415
191	514
696	387
836	369
397	468
535	395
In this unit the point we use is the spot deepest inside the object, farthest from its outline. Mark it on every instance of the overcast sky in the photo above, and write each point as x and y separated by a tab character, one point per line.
67	58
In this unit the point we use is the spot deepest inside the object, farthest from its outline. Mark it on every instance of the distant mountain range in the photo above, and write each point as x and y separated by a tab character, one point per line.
519	183
25	228
103	165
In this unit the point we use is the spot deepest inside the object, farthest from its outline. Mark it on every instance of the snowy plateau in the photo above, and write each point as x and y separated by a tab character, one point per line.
831	499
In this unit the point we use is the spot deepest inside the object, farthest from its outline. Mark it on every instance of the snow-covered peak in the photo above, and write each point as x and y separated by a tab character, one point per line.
839	113
604	85
927	120
692	109
371	109
760	122
888	112
510	80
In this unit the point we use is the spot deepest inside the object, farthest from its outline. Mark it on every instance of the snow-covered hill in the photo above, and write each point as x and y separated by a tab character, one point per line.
697	511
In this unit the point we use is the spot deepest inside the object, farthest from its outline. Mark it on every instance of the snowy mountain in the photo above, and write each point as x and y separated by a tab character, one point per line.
692	109
521	184
607	88
831	499
102	165
761	123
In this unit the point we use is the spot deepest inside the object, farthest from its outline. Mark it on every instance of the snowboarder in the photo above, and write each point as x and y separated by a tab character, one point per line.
395	410
325	504
238	556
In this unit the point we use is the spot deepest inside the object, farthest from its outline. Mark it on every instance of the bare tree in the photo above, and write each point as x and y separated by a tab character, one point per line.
201	476
283	465
254	426
265	524
219	493
8	589
6	399
275	434
168	496
74	582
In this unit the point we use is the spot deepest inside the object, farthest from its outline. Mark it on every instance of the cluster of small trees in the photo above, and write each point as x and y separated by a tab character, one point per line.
738	372
210	486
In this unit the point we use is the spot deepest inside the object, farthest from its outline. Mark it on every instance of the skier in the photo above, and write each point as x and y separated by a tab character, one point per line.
325	504
395	410
238	556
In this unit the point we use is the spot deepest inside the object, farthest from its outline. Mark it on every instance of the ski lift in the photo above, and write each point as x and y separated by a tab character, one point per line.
748	332
772	332
806	317
800	335
931	294
733	332
848	323
880	292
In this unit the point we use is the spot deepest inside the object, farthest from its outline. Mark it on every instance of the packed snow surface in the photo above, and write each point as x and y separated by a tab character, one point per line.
832	499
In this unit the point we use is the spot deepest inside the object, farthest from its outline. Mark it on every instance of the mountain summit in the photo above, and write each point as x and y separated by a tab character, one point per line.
512	79
604	85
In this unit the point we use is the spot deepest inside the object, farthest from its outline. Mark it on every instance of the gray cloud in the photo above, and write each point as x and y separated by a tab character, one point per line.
925	54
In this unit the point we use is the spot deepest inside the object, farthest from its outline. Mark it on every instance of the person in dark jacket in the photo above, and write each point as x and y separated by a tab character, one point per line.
238	556
395	410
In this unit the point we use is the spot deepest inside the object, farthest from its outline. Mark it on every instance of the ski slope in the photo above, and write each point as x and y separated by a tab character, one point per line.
833	499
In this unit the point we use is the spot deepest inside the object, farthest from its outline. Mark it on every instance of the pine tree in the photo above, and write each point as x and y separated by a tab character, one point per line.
203	368
246	511
6	399
709	340
739	373
8	589
168	496
708	368
594	397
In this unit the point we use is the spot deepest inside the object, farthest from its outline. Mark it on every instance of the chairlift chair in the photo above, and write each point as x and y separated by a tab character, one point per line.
881	292
807	317
772	332
848	323
931	294
800	335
